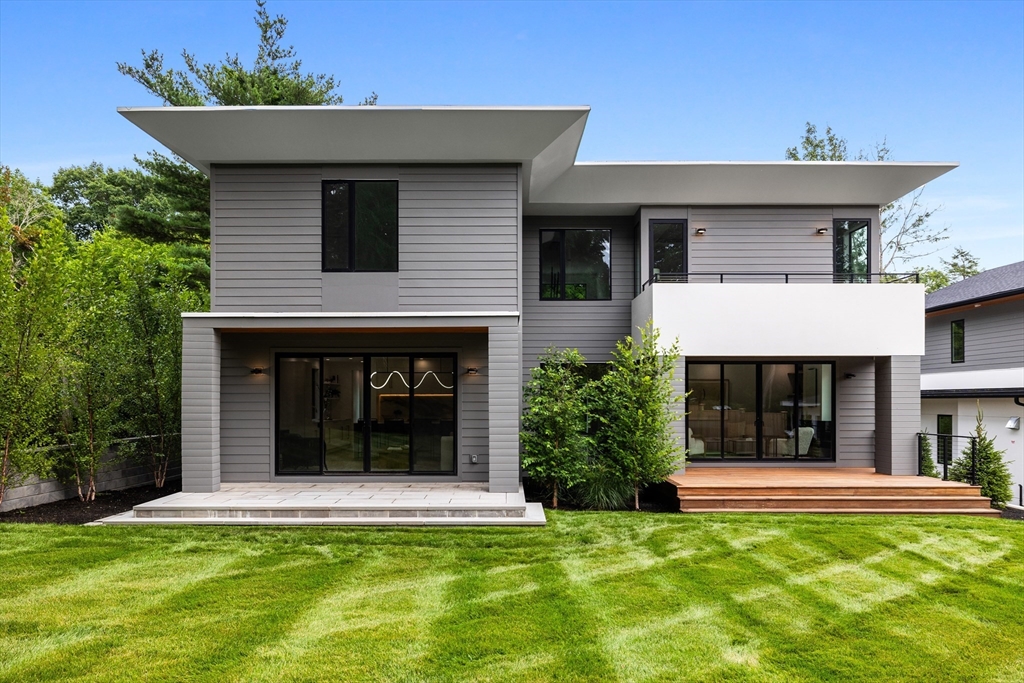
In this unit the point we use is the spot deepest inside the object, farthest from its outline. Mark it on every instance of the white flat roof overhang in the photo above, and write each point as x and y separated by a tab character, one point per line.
621	187
543	139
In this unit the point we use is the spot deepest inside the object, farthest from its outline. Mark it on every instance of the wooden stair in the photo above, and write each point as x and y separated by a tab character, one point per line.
831	491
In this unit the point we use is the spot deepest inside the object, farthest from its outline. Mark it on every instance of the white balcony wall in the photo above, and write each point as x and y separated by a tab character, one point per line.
723	320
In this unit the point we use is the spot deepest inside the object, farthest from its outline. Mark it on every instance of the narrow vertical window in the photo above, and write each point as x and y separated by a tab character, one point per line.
668	250
850	250
956	341
944	428
336	232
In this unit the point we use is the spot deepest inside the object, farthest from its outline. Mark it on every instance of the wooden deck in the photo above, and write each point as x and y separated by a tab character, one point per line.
821	490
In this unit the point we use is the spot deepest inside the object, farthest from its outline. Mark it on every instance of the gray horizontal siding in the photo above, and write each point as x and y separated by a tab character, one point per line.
458	242
760	239
265	239
993	338
593	327
458	238
247	421
855	412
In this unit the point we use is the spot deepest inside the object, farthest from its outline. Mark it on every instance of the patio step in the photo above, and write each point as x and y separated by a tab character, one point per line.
838	490
356	505
854	511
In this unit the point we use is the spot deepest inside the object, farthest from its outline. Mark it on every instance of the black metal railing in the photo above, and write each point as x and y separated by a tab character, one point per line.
776	277
942	450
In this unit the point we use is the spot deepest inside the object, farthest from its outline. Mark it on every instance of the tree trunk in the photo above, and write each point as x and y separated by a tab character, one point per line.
636	497
4	465
554	498
160	473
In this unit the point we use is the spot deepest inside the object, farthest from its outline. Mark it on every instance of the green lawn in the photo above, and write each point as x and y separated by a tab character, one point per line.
591	597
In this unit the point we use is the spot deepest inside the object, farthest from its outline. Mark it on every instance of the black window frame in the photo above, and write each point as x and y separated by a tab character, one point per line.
944	439
367	471
650	244
953	326
353	185
849	277
759	416
562	231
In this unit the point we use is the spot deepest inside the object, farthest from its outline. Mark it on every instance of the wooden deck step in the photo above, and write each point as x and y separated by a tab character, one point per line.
823	490
839	490
850	511
890	502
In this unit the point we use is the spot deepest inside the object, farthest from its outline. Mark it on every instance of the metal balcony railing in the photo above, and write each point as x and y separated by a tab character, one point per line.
772	277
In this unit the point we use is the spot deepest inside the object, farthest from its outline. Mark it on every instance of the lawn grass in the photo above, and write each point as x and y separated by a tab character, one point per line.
590	597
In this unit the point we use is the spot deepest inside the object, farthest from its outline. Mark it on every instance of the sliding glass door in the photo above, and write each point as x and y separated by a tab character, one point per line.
754	411
365	413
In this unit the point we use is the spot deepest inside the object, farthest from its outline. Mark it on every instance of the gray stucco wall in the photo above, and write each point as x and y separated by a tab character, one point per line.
593	327
247	414
459	231
993	338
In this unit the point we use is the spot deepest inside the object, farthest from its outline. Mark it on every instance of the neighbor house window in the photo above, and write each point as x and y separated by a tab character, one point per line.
668	249
956	340
850	250
360	225
575	264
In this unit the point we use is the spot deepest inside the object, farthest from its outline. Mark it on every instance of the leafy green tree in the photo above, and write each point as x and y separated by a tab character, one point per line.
961	265
154	294
92	368
992	473
636	409
32	296
933	279
28	209
906	232
554	437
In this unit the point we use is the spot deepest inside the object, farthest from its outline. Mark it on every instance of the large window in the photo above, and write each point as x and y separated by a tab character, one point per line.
668	249
346	414
754	411
850	250
956	341
575	264
360	225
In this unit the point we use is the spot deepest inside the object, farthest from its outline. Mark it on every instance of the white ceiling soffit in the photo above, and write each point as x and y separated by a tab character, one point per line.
620	187
544	139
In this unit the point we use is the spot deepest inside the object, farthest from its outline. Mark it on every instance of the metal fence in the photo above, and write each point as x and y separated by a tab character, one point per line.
945	450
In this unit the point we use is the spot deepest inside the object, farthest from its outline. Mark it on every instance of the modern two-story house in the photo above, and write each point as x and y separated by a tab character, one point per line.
384	278
974	359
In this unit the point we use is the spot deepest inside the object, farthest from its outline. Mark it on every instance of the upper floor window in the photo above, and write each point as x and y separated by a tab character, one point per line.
575	264
850	250
359	220
956	341
668	248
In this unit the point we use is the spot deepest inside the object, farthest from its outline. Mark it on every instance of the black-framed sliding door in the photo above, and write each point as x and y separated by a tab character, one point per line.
353	414
754	411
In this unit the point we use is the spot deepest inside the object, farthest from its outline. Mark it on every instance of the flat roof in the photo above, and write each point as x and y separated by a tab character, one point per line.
544	139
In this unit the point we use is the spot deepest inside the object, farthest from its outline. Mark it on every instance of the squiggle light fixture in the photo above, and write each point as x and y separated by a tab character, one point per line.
402	377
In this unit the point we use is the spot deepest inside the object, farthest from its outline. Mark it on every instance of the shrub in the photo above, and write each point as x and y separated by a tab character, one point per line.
634	407
554	437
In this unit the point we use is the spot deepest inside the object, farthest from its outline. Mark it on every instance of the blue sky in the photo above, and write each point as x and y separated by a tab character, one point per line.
688	81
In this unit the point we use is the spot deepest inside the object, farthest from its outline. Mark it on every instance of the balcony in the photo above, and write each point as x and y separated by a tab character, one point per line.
805	315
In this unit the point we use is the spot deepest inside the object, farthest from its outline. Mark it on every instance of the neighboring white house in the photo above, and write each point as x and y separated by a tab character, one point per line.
974	339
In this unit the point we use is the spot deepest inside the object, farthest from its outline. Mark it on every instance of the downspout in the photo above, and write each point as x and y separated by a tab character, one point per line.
1016	399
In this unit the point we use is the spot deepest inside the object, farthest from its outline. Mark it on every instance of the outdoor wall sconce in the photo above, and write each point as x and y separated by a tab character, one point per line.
472	371
822	231
256	371
850	375
1014	423
700	231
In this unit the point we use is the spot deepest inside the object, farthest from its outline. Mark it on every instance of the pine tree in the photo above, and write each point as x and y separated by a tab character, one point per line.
992	473
928	467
